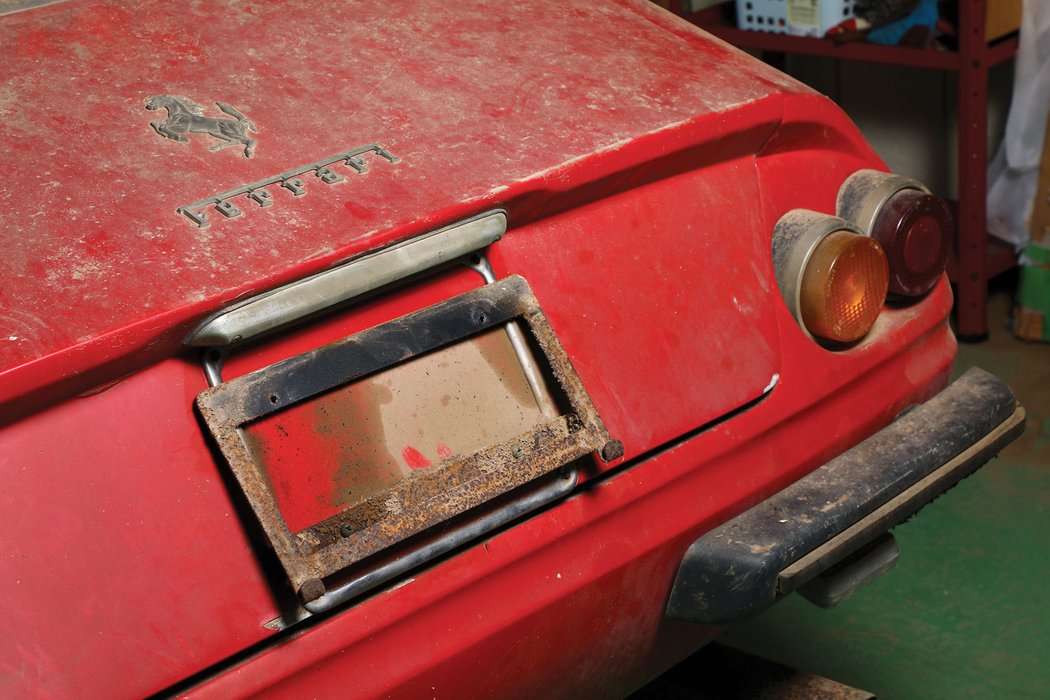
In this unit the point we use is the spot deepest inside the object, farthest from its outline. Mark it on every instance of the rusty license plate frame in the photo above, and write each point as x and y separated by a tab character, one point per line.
425	499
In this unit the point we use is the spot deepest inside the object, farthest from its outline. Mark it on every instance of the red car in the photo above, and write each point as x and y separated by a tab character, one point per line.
443	349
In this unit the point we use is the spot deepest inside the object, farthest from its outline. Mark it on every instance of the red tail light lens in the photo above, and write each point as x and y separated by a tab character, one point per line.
914	227
916	230
843	287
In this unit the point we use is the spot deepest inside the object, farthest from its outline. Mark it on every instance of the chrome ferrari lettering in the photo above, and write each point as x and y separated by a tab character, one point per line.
228	209
198	217
261	197
295	185
329	176
290	180
187	117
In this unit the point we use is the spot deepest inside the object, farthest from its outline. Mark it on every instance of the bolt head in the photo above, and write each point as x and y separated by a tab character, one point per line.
612	450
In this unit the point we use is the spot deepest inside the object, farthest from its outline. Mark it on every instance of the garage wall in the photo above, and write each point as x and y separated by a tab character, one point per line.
907	114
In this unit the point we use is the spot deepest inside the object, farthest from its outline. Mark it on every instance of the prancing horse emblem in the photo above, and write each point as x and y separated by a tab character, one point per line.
187	117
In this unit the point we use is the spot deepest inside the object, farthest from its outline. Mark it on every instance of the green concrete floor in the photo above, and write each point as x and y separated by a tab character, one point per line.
966	613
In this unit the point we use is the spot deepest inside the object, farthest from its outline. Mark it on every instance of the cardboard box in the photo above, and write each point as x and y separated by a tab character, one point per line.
1032	321
1001	17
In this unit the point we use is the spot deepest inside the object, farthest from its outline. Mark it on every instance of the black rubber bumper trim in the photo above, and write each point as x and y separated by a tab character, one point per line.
747	563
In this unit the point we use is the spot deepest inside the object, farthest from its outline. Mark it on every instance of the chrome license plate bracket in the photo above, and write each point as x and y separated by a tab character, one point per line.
389	513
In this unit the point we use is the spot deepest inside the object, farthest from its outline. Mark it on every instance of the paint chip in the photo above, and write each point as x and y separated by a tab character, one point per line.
772	383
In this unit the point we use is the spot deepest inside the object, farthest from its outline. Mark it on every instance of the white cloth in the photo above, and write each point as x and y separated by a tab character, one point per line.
1013	174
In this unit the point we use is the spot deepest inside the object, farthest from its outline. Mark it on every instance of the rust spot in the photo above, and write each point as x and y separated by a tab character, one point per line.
832	506
334	444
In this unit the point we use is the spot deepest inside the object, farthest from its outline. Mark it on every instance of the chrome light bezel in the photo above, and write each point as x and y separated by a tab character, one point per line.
795	236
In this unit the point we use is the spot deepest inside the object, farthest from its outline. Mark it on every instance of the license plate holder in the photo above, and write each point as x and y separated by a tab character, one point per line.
426	497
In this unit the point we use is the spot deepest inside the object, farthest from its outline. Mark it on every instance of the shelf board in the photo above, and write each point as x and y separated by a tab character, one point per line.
931	58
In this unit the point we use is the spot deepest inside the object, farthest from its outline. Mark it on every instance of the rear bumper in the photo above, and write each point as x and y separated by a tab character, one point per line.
769	551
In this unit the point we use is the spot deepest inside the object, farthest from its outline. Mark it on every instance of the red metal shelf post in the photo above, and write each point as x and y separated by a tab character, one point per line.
971	306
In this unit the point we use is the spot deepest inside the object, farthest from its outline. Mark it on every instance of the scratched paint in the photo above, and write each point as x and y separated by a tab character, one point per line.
334	452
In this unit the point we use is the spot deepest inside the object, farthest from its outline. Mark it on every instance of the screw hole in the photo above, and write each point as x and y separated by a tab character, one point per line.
273	399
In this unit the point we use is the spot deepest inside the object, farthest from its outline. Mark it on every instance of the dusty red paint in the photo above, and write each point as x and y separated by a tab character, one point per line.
414	459
468	102
642	166
444	451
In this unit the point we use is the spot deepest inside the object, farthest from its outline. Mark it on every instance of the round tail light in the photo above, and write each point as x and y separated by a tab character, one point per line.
832	276
843	287
915	229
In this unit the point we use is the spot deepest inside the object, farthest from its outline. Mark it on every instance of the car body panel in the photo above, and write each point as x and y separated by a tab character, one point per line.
570	601
642	166
149	558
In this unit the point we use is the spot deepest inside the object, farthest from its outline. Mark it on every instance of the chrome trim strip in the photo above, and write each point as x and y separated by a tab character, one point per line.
460	535
864	193
298	300
533	374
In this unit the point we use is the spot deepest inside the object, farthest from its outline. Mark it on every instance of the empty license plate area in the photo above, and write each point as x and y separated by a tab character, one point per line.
337	450
355	446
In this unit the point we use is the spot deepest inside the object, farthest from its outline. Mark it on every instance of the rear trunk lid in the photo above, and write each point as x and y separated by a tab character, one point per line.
482	106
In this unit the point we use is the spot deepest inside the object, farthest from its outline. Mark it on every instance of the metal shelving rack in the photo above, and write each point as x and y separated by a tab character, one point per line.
978	257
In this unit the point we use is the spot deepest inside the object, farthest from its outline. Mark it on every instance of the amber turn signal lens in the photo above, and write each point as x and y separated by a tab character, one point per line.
843	287
915	229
